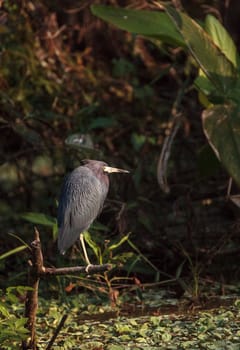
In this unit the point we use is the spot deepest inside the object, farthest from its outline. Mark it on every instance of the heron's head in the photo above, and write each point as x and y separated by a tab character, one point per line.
101	167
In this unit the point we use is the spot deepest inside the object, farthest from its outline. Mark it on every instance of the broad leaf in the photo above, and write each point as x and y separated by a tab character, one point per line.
221	38
215	56
206	89
221	125
39	218
213	62
153	24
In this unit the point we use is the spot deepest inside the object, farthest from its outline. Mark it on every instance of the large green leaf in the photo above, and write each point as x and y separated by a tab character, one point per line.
221	124
153	24
221	38
214	53
39	218
210	58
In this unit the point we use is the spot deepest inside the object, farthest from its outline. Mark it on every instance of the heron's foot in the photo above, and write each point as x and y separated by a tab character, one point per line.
88	267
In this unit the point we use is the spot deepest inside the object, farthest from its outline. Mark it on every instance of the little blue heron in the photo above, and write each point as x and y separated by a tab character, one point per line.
81	200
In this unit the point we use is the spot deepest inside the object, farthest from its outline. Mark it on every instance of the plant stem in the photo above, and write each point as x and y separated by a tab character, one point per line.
31	305
36	271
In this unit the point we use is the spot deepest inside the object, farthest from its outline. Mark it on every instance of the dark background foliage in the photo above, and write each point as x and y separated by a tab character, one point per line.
63	71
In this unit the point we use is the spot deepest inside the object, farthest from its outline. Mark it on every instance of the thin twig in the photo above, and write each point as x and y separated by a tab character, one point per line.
57	331
166	152
175	122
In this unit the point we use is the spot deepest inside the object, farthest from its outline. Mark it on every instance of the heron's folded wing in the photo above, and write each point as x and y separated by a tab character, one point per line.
81	199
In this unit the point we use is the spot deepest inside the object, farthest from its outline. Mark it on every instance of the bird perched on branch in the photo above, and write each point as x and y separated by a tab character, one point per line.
81	200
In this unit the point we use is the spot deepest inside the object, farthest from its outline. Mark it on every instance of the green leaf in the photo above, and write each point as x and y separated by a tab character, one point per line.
55	231
122	68
19	325
13	251
18	290
153	24
102	122
205	86
221	125
179	269
221	38
210	58
215	53
138	141
39	218
19	239
92	244
119	243
4	311
115	347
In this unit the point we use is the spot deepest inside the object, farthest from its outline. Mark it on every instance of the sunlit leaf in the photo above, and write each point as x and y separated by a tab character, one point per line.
153	24
3	310
221	38
119	243
210	58
205	87
92	244
18	290
221	125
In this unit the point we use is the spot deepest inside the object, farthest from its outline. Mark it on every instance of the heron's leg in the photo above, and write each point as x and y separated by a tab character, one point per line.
84	249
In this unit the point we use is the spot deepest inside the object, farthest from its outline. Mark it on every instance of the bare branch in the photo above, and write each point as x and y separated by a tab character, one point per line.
37	270
90	269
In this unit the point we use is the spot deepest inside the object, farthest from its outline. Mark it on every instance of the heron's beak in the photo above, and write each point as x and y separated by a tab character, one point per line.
109	169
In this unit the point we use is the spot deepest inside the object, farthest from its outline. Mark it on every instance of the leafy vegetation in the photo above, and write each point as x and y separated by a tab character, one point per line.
12	322
216	55
211	329
74	87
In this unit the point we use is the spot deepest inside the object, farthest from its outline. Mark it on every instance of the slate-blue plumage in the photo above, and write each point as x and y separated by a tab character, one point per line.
81	200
